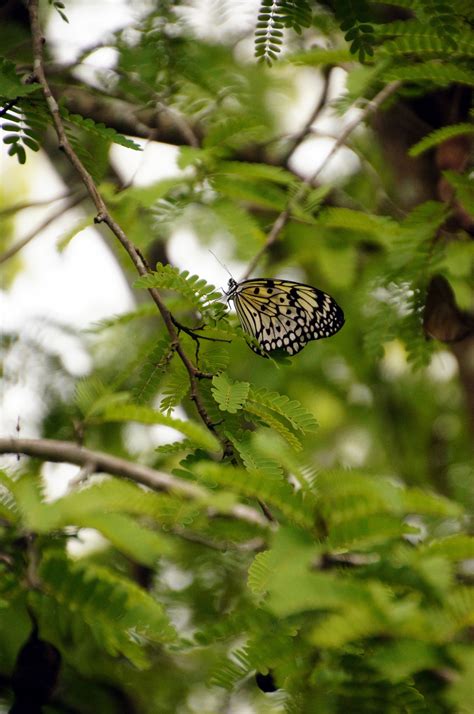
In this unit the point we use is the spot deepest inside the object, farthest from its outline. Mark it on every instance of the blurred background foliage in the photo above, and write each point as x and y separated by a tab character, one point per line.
349	585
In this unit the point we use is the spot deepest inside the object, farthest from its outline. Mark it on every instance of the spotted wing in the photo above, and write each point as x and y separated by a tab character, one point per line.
282	314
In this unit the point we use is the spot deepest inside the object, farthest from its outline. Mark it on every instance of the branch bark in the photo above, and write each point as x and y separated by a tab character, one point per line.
100	462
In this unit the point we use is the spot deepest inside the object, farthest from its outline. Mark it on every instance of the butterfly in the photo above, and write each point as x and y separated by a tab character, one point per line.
282	314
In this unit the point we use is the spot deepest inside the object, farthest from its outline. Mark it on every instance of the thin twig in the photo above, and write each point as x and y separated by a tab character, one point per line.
23	205
14	249
84	474
6	107
369	168
103	215
298	138
68	452
281	221
250	546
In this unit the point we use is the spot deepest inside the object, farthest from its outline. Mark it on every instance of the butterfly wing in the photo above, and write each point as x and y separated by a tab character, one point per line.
282	314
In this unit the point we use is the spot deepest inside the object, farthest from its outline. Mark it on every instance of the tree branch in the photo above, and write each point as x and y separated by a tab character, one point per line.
14	249
296	140
157	124
104	216
283	218
23	205
100	462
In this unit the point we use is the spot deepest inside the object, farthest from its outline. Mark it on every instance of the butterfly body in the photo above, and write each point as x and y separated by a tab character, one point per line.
282	314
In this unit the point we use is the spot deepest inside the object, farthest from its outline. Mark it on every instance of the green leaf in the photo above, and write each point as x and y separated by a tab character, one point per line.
319	57
110	605
464	186
8	506
66	238
425	44
152	371
98	129
416	500
459	694
296	586
11	86
297	508
205	298
254	461
441	74
263	172
456	547
380	228
368	531
290	409
97	507
254	191
36	514
175	388
198	434
229	395
138	543
145	310
92	396
146	196
261	572
274	422
439	136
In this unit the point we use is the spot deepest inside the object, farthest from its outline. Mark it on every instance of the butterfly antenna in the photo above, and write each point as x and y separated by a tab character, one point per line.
220	263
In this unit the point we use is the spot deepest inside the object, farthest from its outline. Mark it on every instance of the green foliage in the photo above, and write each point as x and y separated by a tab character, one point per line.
201	296
253	461
255	483
107	134
8	506
145	310
264	194
151	372
145	415
175	388
321	57
425	43
355	23
310	521
26	121
442	75
380	228
464	187
439	136
273	17
396	307
11	86
119	614
229	396
441	19
290	409
286	416
59	7
269	32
